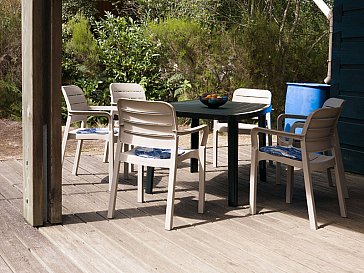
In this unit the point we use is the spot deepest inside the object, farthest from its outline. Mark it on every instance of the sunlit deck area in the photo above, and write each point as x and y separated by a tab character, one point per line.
224	239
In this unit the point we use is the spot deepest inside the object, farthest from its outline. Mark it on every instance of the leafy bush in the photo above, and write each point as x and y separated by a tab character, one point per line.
81	63
128	54
70	8
191	52
10	100
10	59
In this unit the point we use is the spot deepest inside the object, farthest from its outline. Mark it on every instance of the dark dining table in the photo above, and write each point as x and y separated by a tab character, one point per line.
231	112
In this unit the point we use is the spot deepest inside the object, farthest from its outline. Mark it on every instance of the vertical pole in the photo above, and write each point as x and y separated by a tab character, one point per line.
233	165
41	53
33	93
194	145
54	114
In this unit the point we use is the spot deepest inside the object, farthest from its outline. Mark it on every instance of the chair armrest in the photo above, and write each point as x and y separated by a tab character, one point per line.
92	113
203	128
297	124
103	108
255	131
282	117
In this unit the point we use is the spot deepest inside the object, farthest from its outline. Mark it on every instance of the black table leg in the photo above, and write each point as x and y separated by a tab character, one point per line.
262	142
150	178
233	162
194	145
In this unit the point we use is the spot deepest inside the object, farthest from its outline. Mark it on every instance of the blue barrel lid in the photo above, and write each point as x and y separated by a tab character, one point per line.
314	85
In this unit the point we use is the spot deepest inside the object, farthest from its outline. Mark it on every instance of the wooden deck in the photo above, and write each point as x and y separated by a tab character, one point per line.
224	239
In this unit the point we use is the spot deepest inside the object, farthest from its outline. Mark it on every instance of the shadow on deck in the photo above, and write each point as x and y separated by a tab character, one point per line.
224	239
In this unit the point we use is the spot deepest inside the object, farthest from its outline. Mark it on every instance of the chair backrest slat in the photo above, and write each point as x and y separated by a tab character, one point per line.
319	129
147	123
75	100
126	90
252	96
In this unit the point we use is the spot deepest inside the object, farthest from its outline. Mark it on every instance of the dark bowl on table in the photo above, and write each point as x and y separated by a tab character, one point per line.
213	102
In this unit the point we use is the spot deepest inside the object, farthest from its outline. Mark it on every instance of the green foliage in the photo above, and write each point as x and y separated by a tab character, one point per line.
10	59
10	96
70	8
128	54
81	64
187	55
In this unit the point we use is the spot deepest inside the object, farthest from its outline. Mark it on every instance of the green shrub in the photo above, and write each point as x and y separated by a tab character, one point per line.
10	100
128	54
70	8
10	59
191	52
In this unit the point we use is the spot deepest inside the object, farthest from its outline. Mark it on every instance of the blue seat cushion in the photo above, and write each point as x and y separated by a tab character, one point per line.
288	152
102	131
155	152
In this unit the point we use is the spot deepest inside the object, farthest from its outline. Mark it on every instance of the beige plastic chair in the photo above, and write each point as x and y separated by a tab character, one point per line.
243	95
318	135
126	91
79	111
123	90
329	103
153	124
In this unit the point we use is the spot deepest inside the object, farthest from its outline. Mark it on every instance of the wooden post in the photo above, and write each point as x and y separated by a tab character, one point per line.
54	128
41	53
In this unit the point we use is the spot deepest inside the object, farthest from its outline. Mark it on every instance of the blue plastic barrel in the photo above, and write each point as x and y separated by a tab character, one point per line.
303	98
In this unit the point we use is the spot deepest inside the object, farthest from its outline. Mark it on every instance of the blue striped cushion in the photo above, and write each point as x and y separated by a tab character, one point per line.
155	152
288	152
101	131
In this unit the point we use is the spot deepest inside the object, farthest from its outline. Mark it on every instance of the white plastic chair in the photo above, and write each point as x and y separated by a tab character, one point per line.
243	95
78	111
318	135
329	103
126	91
153	124
123	90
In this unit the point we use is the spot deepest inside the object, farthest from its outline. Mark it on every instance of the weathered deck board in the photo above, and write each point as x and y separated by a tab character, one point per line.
224	239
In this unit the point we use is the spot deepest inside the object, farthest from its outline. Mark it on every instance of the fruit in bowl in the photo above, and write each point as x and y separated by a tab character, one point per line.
213	100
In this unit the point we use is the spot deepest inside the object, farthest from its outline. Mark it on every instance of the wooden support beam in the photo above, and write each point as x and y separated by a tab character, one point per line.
54	128
41	53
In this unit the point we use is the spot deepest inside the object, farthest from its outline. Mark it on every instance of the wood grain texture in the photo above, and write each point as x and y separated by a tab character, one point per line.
224	239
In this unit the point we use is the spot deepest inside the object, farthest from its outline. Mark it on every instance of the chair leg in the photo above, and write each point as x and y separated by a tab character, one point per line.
253	181
309	192
65	137
340	193
114	184
170	196
268	118
340	165
126	165
340	183
77	157
140	184
202	179
111	158
289	185
131	166
215	144
106	152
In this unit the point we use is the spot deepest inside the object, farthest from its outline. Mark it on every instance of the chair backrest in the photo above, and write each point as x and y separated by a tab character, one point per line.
126	90
252	95
150	124
319	129
333	103
75	100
